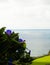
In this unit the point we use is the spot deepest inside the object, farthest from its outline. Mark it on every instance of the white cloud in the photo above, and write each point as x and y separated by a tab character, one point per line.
25	14
36	2
3	1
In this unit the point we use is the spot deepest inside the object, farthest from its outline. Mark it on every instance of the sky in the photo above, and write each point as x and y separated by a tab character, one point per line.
25	14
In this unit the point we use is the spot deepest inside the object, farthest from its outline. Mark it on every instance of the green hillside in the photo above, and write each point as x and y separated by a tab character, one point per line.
42	61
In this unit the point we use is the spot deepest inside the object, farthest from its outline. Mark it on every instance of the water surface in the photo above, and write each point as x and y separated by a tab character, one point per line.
37	40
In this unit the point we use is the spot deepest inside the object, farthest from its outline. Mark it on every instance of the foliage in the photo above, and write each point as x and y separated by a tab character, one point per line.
12	48
42	61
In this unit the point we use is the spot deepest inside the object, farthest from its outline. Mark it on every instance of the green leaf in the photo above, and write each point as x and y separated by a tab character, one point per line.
2	30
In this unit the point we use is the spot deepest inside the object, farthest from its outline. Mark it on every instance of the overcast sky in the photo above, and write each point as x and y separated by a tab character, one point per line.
25	14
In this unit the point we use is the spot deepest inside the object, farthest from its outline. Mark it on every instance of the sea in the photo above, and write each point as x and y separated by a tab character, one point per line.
37	40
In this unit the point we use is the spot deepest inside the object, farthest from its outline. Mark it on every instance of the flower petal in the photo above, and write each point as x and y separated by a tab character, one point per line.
8	32
21	40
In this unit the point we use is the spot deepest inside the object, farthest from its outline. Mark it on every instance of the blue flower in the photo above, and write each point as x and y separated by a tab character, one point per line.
8	32
21	40
10	61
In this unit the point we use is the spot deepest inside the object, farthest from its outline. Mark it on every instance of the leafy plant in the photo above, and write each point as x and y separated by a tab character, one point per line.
12	48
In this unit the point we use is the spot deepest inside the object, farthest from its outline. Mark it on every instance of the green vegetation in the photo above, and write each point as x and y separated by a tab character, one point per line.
42	61
12	49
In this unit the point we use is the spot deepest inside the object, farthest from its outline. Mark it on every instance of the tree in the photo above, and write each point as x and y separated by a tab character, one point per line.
12	48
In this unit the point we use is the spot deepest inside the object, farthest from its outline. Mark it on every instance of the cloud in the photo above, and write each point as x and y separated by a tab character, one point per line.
25	14
3	0
36	2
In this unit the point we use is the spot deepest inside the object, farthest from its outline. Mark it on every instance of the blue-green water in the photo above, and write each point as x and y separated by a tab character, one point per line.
37	40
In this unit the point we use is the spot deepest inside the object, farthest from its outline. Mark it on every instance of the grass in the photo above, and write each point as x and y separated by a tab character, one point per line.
42	61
